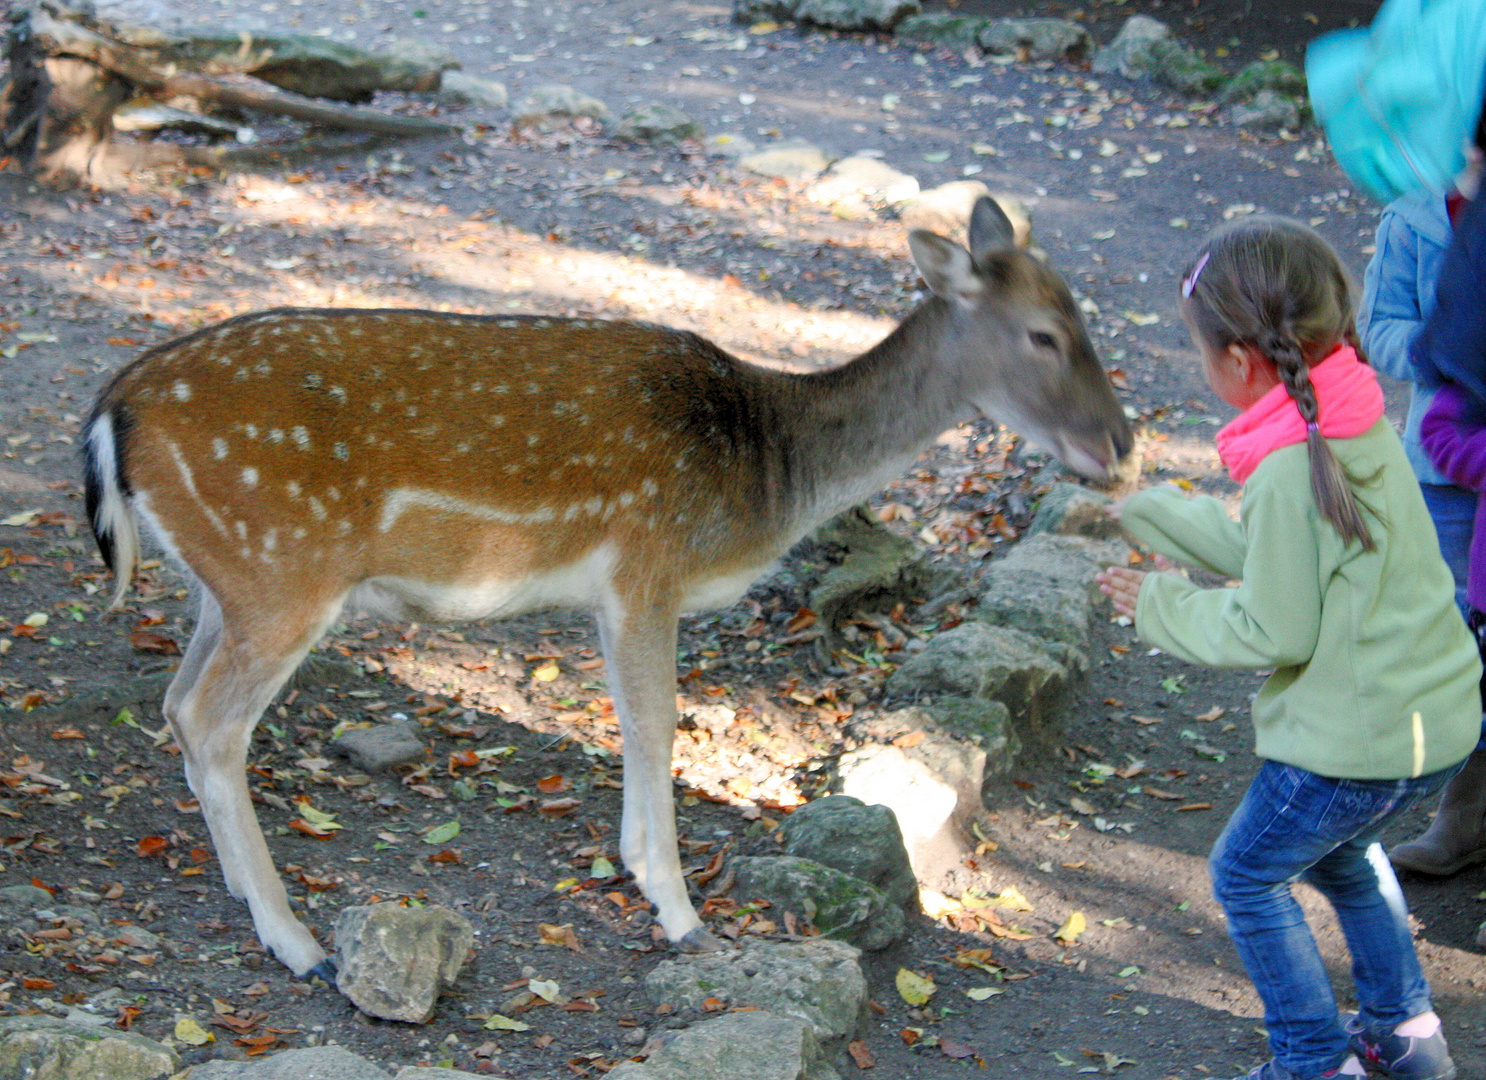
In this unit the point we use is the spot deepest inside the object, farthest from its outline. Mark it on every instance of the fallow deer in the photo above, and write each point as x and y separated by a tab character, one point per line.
459	467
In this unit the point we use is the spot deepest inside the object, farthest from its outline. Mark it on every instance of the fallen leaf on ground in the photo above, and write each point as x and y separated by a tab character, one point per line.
1072	927
188	1031
861	1055
913	987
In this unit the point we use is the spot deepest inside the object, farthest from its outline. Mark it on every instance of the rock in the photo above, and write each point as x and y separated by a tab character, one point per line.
311	1063
753	11
424	1072
874	567
25	897
458	88
45	1048
730	146
1073	510
862	840
1266	109
853	186
985	723
394	961
946	210
861	15
816	981
933	788
790	160
841	907
943	28
1046	586
1179	68
658	123
1263	75
1036	39
978	660
555	101
381	747
739	1046
1129	54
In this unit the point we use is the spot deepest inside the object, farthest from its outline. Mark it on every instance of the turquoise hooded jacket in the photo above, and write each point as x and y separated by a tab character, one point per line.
1400	99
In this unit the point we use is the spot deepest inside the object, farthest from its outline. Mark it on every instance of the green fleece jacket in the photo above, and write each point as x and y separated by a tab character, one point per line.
1375	675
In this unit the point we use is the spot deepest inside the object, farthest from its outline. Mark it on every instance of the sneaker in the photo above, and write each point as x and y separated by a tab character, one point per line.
1402	1057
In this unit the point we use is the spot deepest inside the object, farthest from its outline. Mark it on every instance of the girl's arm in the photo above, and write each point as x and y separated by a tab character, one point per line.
1452	342
1456	446
1196	531
1389	317
1272	619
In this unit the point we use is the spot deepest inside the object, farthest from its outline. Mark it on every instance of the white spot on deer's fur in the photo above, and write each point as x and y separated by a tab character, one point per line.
649	488
250	477
497	420
412	411
533	439
500	388
241	528
293	488
625	499
333	493
400	500
219	448
338	393
251	431
301	436
300	534
271	540
343	528
317	508
341	451
182	391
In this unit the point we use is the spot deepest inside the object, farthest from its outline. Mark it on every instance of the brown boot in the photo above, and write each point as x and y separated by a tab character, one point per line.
1457	837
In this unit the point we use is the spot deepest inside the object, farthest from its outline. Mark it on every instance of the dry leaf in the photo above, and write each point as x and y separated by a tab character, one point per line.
861	1055
914	988
1072	927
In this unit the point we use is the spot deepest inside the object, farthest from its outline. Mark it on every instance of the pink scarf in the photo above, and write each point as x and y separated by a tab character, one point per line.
1349	402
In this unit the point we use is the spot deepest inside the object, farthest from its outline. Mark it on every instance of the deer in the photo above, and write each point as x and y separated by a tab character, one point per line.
456	467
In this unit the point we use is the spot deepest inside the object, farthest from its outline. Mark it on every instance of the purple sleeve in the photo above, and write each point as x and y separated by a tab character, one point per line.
1455	443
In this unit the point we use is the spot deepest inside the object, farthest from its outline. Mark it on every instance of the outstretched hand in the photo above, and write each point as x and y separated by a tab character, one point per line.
1122	585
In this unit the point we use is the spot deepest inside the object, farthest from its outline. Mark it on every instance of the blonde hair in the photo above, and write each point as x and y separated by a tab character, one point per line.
1272	284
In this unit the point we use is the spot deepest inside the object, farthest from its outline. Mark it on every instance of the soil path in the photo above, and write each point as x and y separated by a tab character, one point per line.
1122	182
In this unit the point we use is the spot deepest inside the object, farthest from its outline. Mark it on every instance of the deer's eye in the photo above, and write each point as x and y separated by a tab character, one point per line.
1042	339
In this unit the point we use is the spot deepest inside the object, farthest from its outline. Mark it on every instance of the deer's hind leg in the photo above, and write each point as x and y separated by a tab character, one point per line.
231	671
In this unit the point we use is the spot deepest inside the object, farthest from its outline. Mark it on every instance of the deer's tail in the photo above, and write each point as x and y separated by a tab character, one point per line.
109	510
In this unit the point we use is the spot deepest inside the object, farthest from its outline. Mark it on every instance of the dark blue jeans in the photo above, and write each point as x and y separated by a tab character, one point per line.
1294	824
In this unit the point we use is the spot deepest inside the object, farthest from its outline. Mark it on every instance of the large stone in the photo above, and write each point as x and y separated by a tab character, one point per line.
45	1048
1266	109
425	1072
841	907
998	663
1073	510
740	1046
816	981
861	15
394	961
310	1063
1263	75
847	834
462	89
753	11
932	786
984	722
790	160
381	746
1176	67
658	123
946	210
854	185
1046	586
874	567
558	101
1130	53
943	28
1036	39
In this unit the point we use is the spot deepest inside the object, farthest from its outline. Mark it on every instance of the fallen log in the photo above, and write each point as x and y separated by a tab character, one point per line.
73	63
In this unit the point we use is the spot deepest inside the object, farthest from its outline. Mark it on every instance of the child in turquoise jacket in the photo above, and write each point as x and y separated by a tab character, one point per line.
1372	705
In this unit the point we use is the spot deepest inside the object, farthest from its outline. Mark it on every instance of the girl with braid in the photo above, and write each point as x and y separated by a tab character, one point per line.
1372	705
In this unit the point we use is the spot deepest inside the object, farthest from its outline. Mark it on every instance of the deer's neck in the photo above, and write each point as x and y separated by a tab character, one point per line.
858	426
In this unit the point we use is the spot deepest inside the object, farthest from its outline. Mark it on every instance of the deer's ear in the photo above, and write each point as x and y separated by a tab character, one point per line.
990	230
945	266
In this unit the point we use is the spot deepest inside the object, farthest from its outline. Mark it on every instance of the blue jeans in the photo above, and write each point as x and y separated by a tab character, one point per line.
1453	511
1295	824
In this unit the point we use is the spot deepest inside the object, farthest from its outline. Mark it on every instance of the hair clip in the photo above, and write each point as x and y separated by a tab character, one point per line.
1189	283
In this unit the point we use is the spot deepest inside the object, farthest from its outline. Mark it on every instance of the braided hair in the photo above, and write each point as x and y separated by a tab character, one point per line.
1272	284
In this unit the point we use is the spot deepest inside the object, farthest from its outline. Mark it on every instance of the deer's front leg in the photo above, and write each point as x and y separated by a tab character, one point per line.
640	647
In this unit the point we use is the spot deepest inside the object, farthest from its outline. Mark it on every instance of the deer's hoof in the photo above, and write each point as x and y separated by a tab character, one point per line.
699	940
325	969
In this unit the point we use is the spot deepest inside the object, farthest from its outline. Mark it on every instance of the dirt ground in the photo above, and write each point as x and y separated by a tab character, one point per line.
1113	820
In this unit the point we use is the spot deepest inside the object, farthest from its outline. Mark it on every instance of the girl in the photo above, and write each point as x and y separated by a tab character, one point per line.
1372	705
